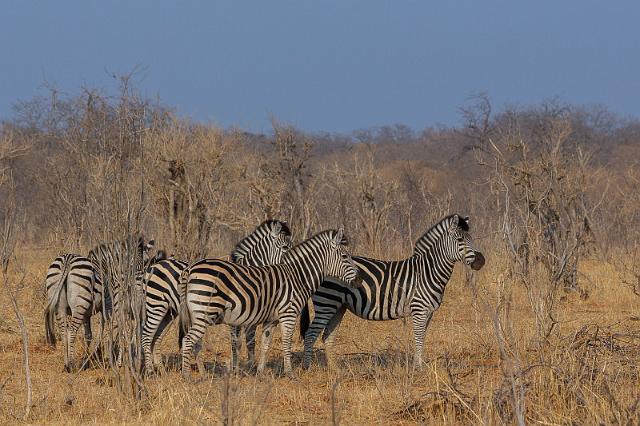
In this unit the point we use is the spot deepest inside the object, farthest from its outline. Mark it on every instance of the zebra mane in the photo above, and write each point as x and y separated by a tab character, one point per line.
139	239
329	234
436	232
139	244
248	243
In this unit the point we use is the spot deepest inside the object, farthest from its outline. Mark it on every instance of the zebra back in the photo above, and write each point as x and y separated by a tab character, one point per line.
265	245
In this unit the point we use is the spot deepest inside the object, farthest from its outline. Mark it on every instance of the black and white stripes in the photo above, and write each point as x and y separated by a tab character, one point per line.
218	292
120	265
120	261
396	289
74	294
264	246
266	282
161	300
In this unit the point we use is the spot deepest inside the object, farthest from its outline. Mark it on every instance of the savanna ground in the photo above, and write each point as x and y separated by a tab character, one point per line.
588	373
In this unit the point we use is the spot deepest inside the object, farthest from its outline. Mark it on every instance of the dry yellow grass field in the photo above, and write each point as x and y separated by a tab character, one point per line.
587	373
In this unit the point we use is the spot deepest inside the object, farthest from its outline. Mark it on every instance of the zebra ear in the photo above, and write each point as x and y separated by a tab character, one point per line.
150	244
338	239
277	228
160	255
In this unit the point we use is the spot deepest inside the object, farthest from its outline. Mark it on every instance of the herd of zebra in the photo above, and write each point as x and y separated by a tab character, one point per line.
267	281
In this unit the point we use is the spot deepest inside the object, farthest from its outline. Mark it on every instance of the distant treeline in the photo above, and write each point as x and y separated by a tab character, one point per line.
75	165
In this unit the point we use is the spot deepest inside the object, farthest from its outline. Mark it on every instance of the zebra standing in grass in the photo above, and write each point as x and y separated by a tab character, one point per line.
161	300
224	292
395	289
264	246
116	263
74	294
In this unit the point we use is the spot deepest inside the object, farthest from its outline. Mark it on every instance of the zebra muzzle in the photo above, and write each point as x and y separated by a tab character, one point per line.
478	262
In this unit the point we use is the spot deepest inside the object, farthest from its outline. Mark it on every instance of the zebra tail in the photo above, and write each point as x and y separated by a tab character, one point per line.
184	319
305	319
52	306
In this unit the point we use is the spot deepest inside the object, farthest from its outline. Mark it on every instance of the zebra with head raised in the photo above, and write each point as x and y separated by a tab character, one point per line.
395	289
264	246
74	294
117	263
224	292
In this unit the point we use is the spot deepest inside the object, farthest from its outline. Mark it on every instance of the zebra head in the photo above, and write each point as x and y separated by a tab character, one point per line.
461	244
264	246
159	256
143	258
143	255
340	265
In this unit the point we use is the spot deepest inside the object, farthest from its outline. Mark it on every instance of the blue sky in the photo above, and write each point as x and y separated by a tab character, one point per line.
334	65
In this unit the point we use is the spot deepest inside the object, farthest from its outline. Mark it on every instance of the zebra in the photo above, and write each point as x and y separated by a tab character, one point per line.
263	246
216	291
161	299
74	293
114	263
395	289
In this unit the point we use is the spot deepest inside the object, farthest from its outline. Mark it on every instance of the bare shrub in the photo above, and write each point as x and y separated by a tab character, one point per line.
541	187
184	171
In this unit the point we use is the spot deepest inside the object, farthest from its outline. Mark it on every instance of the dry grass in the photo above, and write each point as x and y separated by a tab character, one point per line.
587	374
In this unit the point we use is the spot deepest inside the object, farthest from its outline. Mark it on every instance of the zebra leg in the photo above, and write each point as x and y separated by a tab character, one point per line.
88	334
111	338
61	321
250	339
317	325
267	334
235	344
150	331
287	325
328	337
322	317
88	338
191	339
160	333
98	352
73	324
64	330
420	321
